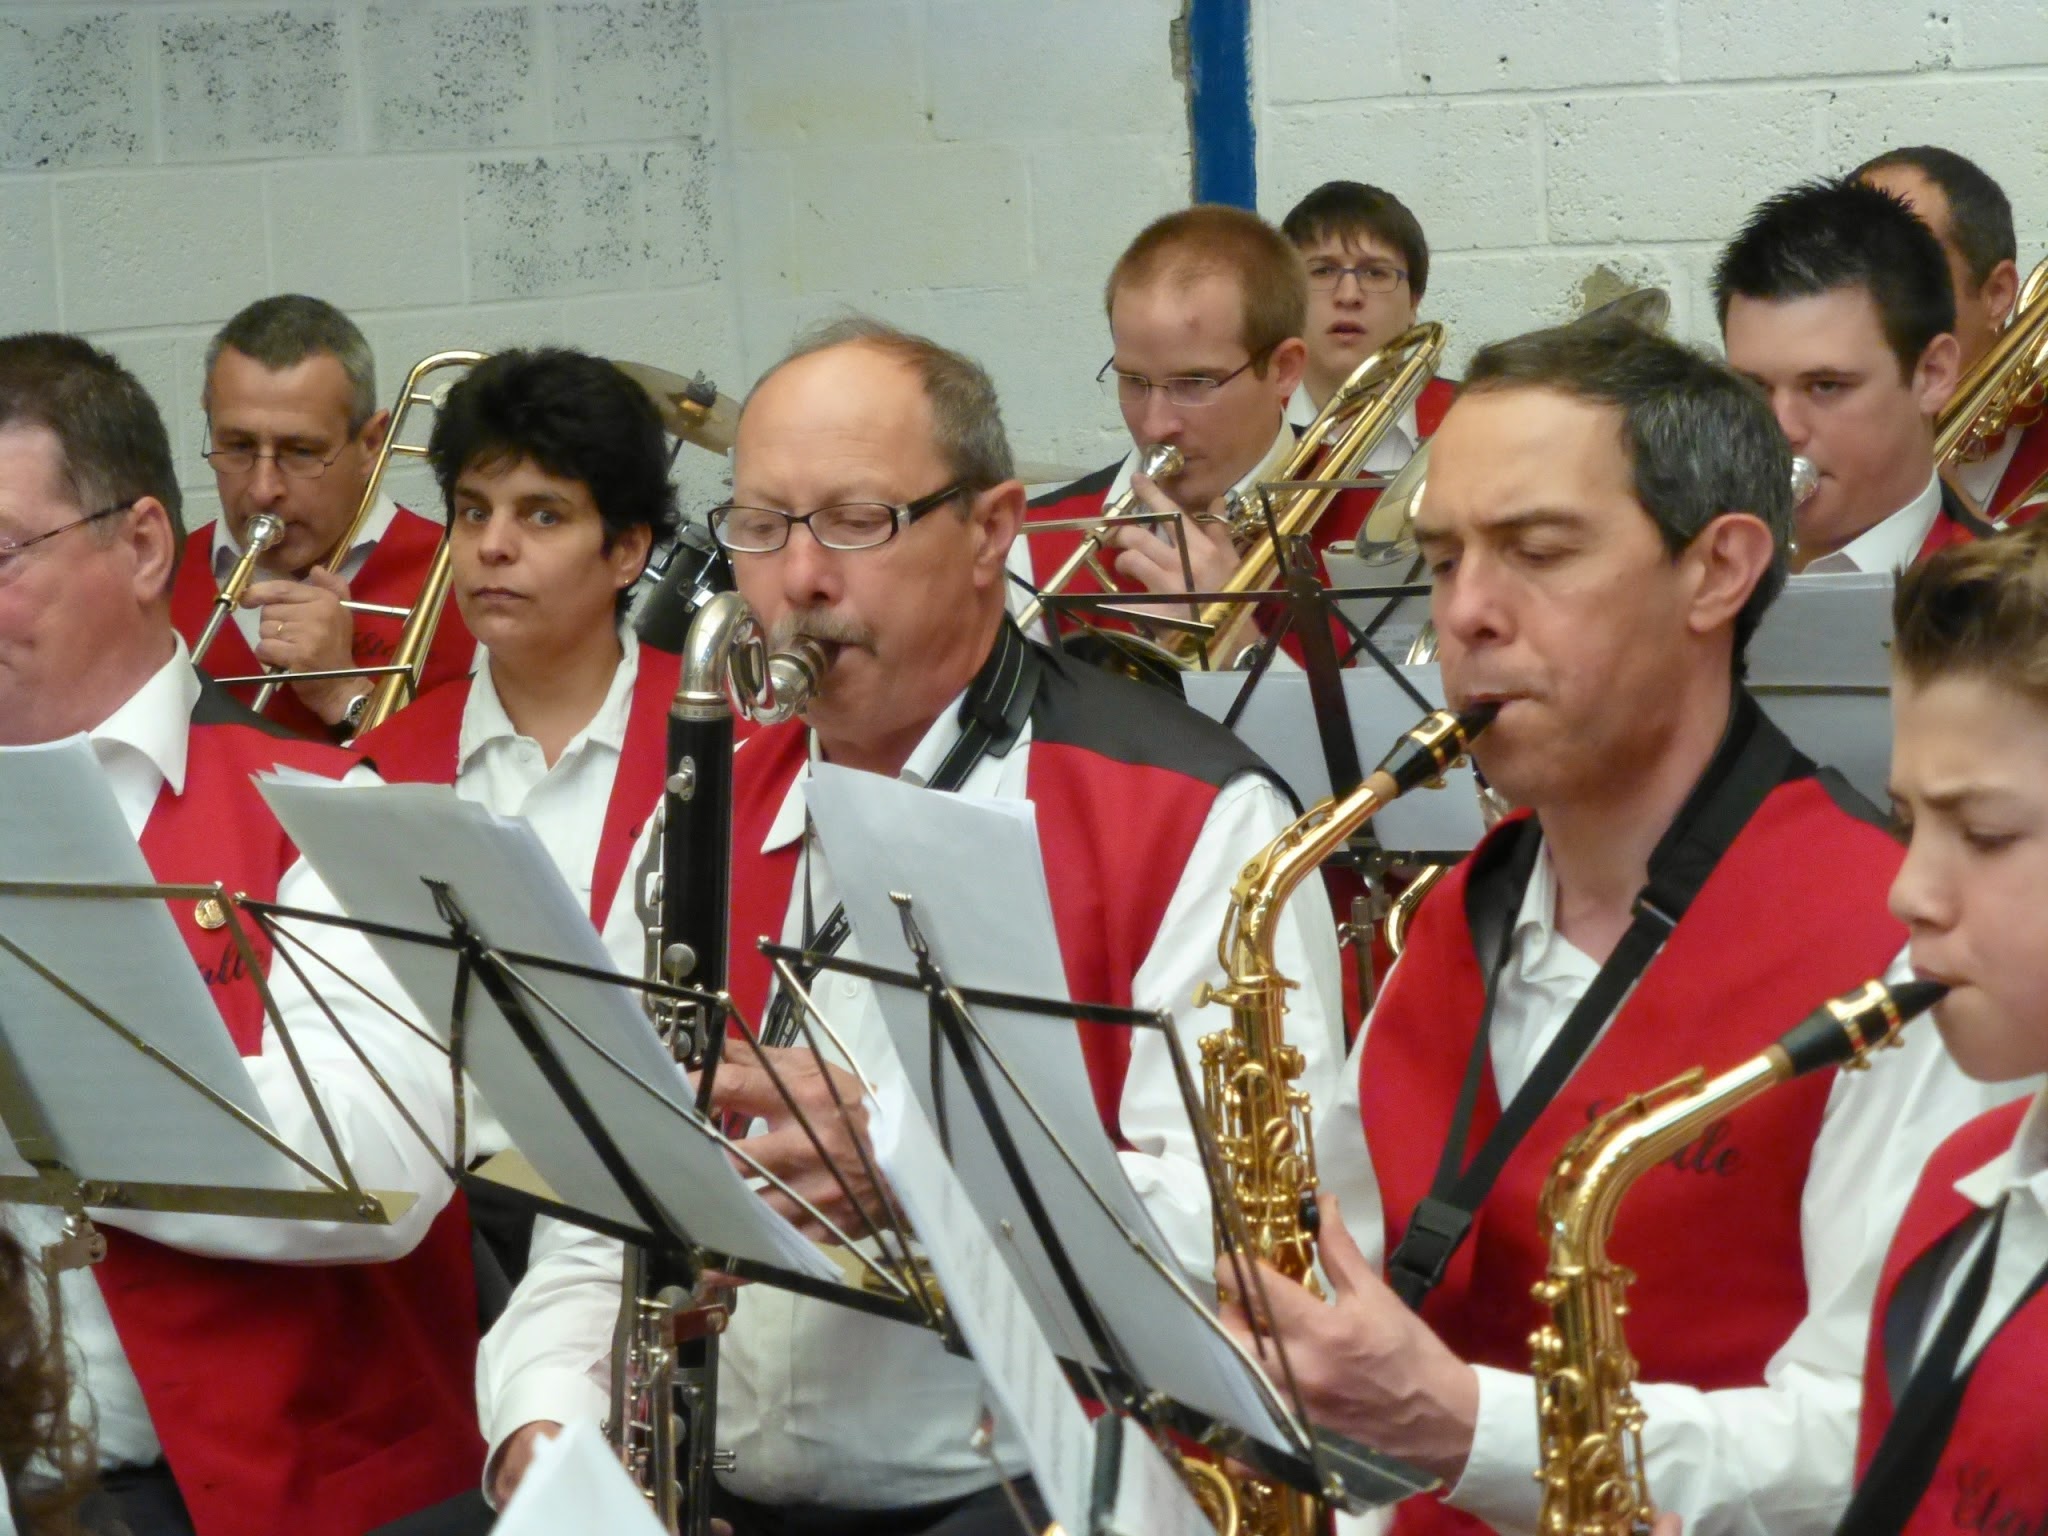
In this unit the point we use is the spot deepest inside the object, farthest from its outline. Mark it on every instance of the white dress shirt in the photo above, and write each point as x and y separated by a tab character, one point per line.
1890	545
566	800
143	747
227	550
1395	447
826	1406
2019	1176
1980	479
1774	1460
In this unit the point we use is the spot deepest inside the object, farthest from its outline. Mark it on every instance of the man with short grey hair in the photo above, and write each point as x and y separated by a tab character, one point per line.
293	431
873	509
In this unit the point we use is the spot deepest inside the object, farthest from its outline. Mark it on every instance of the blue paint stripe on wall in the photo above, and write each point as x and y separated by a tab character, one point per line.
1220	101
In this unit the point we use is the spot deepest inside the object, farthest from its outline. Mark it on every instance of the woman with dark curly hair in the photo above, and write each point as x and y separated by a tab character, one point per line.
45	1458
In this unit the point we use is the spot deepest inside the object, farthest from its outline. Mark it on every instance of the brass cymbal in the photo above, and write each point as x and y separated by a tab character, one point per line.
691	409
1649	308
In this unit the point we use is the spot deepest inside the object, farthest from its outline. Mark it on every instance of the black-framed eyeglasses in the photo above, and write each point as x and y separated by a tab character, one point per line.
294	463
10	552
1371	276
1188	390
845	525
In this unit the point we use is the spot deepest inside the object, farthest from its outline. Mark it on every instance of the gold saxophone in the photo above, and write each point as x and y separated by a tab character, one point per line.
1250	1073
1590	1423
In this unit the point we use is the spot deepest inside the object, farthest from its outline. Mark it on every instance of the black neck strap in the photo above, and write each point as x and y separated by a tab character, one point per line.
1753	759
992	717
1904	1462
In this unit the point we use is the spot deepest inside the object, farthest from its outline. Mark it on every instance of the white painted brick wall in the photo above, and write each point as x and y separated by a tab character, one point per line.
1548	147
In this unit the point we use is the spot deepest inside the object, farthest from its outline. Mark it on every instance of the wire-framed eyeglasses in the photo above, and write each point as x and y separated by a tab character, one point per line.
10	552
845	525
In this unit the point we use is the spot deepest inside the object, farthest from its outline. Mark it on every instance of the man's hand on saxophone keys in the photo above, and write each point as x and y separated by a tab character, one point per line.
1365	1365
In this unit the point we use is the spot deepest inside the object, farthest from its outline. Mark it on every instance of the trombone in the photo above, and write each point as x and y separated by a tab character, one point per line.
2005	388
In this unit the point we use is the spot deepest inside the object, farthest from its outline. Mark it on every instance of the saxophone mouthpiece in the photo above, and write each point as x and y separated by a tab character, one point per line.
1433	747
1850	1027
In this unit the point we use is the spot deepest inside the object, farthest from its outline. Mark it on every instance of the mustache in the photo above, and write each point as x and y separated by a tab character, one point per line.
819	624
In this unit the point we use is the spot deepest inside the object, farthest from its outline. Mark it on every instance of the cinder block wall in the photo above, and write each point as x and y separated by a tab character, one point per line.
1553	149
681	182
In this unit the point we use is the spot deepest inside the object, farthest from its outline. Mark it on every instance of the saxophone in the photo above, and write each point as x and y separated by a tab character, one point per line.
1588	1418
1259	1115
665	1346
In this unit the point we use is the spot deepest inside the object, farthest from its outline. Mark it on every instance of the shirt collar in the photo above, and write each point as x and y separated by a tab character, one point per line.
2021	1166
1302	412
924	761
1283	445
1543	954
484	721
156	722
226	551
1891	544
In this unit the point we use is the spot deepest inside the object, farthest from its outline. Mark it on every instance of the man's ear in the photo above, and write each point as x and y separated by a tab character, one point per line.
1727	559
153	547
628	554
2000	291
372	435
1284	367
996	515
1935	375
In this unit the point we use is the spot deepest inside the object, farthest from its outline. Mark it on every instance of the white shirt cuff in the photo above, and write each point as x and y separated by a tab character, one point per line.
1499	1482
542	1392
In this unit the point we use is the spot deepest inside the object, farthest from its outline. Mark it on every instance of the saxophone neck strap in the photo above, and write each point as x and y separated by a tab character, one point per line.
992	716
1753	759
1903	1465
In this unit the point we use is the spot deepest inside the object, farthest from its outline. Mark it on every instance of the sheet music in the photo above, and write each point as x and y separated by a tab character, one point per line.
989	923
117	1115
515	897
1016	1359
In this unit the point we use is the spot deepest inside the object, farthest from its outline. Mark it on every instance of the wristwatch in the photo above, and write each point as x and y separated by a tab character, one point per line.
358	707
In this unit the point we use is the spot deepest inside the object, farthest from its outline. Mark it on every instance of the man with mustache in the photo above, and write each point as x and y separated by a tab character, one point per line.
1605	523
874	506
293	430
1835	300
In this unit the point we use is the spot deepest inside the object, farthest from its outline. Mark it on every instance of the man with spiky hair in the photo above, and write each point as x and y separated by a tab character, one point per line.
1836	301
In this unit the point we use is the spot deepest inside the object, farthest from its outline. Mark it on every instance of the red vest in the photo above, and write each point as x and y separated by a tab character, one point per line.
1728	1204
391	575
1115	831
2029	464
418	745
1993	1477
322	1400
1955	523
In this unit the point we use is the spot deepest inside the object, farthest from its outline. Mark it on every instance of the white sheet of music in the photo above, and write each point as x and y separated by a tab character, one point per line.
576	1487
983	1297
117	1115
377	846
988	921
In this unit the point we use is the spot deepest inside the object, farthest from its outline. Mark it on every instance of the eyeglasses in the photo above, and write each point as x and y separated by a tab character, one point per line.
9	553
1188	390
1371	276
294	463
846	525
